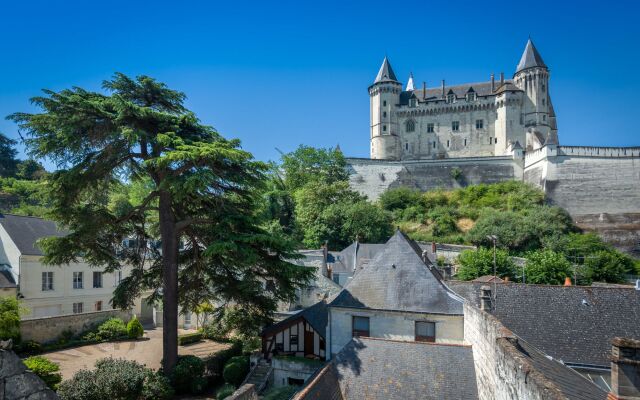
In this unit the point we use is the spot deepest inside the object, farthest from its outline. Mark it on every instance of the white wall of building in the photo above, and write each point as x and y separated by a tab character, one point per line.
392	325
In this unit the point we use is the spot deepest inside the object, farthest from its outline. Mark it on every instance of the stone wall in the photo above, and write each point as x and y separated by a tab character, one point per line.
285	368
501	372
49	329
244	392
18	383
372	177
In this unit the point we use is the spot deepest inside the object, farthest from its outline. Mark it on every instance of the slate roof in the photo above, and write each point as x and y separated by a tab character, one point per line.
569	382
530	58
356	254
435	93
574	324
316	316
6	279
25	232
385	74
323	385
488	278
372	369
398	279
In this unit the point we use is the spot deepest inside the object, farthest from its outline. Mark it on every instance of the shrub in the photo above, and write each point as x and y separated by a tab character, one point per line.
188	374
9	319
547	267
478	263
215	364
225	391
217	331
47	370
236	370
111	329
189	338
29	347
134	328
608	266
399	198
115	379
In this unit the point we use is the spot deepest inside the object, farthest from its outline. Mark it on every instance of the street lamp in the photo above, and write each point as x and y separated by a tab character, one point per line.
494	239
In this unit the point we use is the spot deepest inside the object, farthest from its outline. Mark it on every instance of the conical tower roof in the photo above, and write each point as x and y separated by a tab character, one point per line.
530	58
386	73
410	85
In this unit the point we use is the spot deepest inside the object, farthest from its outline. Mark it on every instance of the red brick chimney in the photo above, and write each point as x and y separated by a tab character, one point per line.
625	369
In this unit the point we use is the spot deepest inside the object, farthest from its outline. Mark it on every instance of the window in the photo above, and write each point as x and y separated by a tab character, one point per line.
544	102
98	305
384	114
451	98
412	103
425	331
490	140
543	88
384	103
448	143
336	278
471	96
455	126
118	278
465	142
97	279
47	281
406	146
544	117
434	145
360	326
77	308
479	124
429	128
410	125
77	280
187	318
384	128
293	340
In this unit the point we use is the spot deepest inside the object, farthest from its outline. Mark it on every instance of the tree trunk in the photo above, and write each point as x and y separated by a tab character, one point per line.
170	283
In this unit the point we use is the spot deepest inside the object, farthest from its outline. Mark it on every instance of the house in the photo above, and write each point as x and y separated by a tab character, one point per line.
47	290
399	295
346	263
368	368
572	324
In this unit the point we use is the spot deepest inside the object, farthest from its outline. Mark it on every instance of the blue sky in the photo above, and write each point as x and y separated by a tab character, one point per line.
281	74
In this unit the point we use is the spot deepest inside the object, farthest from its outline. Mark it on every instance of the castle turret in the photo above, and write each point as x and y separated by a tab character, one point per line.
532	76
384	98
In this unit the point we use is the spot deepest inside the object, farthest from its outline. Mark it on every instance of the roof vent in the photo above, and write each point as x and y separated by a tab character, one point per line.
585	303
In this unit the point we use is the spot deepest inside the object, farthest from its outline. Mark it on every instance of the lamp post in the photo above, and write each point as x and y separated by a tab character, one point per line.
494	239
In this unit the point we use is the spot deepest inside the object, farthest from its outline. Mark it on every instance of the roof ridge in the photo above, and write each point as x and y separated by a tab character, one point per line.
2	214
414	342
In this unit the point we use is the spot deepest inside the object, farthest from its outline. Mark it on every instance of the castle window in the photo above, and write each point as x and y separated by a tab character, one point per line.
471	96
544	117
430	128
544	102
451	98
455	126
384	103
406	146
434	145
412	102
384	128
448	142
490	140
495	141
544	87
479	124
384	114
410	126
465	142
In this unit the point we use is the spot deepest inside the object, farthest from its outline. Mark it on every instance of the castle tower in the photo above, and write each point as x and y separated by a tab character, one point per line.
384	97
532	76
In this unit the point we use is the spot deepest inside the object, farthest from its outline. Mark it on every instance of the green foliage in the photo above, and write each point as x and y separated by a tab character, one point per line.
45	369
456	173
8	161
308	164
29	347
216	362
9	319
116	379
134	329
24	197
608	266
399	198
280	393
187	376
111	329
225	391
30	170
547	267
235	370
474	264
189	338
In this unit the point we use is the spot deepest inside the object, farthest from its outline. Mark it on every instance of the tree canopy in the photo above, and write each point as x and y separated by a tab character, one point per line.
8	161
200	203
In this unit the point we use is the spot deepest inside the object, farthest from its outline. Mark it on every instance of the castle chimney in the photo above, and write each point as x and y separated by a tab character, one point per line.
443	89
493	83
625	369
424	90
567	281
485	298
501	78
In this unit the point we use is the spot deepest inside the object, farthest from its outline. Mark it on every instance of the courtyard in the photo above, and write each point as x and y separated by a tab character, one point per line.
147	351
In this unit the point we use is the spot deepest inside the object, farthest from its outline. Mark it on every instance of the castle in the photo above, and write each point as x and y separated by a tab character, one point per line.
487	132
474	119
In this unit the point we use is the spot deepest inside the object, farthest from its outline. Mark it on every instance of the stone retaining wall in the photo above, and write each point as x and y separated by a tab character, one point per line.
244	392
49	329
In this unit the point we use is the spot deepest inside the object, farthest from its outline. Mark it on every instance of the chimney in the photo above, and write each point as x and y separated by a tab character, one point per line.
493	83
424	90
330	272
625	369
485	298
501	78
325	256
443	89
433	248
567	281
506	279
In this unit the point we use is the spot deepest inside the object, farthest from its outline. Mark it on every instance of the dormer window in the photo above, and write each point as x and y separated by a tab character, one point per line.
451	98
471	94
412	102
410	126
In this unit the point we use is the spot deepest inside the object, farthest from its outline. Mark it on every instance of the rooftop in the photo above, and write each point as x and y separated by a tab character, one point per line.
26	231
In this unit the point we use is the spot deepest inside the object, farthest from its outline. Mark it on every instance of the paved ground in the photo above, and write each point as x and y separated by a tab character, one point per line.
148	352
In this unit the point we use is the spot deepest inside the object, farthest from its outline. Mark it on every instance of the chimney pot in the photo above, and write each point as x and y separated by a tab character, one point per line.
493	83
567	281
501	78
424	90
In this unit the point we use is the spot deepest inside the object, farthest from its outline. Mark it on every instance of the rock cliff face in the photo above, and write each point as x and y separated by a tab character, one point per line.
16	383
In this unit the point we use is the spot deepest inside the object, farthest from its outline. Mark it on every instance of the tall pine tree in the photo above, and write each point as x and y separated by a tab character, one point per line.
201	203
8	161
